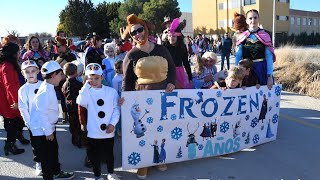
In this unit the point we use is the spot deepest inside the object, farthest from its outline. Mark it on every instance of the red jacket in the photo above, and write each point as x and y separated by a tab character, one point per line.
9	86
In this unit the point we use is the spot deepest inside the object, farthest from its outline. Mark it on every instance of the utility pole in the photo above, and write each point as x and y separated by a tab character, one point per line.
274	24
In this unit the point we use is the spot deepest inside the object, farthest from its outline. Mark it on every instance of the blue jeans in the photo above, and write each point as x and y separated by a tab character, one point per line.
227	56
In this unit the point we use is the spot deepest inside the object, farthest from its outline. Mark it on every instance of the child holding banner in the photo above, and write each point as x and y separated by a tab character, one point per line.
233	80
103	114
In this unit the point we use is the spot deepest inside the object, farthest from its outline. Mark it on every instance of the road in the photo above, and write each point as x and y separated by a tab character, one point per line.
294	155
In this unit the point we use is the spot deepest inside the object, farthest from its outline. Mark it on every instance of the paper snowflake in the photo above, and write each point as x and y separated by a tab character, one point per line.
150	120
247	117
277	90
142	143
224	127
244	134
261	93
256	139
254	122
200	147
134	158
275	118
176	133
160	128
173	117
149	101
219	94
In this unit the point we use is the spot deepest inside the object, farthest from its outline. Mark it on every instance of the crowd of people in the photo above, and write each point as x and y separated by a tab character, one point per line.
33	78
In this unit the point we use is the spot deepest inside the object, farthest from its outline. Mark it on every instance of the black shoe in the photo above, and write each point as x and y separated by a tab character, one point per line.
64	175
87	162
12	148
22	139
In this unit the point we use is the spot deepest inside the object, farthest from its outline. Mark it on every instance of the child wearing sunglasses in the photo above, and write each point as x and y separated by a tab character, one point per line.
103	112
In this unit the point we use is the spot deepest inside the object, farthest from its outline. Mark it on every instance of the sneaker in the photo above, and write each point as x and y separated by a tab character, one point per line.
98	178
142	173
113	177
64	175
38	169
162	167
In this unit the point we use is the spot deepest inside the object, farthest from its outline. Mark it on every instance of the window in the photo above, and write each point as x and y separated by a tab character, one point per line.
284	1
298	21
292	20
315	22
221	24
221	6
235	4
309	21
283	18
249	2
304	21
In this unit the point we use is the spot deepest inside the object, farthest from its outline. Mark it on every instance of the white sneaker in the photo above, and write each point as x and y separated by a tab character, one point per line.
113	177
38	169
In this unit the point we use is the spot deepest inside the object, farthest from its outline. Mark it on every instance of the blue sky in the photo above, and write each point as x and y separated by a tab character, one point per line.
43	15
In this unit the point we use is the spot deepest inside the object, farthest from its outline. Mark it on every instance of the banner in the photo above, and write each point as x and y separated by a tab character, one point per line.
160	128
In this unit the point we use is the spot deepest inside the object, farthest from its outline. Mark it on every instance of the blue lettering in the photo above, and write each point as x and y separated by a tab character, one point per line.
254	103
236	144
208	149
188	108
218	147
165	104
241	103
215	107
192	151
229	146
225	112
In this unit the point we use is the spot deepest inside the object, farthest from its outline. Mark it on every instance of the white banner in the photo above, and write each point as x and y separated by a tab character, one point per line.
159	127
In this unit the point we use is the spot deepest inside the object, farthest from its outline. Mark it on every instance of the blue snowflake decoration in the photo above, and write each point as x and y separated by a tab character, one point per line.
173	117
269	94
142	143
150	120
247	117
254	122
219	94
270	108
224	127
262	127
149	101
277	90
277	104
200	147
176	133
244	134
256	139
160	128
261	93
275	118
134	158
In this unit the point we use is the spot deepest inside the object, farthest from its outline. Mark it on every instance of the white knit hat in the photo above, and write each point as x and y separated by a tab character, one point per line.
93	68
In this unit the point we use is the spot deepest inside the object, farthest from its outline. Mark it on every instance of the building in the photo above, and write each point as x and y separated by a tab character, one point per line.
216	16
188	30
304	21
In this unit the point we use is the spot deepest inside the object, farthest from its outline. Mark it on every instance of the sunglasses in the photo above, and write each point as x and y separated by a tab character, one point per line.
137	31
93	67
28	62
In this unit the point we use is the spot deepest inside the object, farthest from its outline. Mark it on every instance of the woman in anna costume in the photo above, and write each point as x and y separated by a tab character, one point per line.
256	44
147	66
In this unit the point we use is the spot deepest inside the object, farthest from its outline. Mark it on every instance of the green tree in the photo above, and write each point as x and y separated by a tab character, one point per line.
155	10
105	13
77	17
126	8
